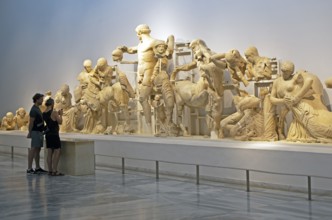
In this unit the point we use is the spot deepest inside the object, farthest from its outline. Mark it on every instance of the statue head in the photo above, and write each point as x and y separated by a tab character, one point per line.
64	90
200	49
101	67
87	64
157	97
21	112
197	44
159	47
9	117
232	56
250	53
102	63
48	93
143	29
117	55
287	68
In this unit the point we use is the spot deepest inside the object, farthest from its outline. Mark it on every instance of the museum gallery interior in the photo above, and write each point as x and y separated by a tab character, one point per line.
175	110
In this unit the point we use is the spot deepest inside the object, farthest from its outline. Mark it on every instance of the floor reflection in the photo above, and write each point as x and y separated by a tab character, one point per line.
111	195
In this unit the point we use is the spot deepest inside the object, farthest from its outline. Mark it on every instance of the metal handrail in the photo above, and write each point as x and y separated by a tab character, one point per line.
309	187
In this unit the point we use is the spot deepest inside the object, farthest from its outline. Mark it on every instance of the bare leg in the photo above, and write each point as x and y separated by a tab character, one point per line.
56	158
182	127
146	110
169	113
33	154
281	123
37	157
49	159
144	94
30	157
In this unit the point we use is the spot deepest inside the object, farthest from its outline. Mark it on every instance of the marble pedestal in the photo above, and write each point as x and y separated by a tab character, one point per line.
77	157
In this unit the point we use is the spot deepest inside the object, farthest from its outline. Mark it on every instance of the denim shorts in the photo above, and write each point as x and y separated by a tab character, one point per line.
37	139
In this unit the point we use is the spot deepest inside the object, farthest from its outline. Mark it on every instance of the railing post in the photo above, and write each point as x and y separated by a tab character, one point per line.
12	151
197	174
157	170
248	180
94	161
309	188
123	165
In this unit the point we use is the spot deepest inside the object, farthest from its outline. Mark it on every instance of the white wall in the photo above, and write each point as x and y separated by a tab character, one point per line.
44	42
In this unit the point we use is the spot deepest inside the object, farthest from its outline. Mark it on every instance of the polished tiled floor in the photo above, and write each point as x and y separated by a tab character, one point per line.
138	196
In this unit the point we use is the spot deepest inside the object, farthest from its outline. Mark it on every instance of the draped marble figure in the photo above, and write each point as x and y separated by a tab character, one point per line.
62	100
301	94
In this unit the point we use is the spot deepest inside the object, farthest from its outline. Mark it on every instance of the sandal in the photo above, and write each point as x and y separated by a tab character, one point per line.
56	173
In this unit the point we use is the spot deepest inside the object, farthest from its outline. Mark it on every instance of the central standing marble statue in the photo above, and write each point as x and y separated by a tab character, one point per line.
146	63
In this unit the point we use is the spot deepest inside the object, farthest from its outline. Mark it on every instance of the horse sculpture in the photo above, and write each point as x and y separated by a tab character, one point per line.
117	100
207	92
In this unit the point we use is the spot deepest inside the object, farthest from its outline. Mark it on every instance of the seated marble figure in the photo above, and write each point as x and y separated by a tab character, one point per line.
22	119
8	122
83	78
63	101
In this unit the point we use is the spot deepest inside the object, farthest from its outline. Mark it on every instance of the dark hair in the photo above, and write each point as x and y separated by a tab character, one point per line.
49	102
36	97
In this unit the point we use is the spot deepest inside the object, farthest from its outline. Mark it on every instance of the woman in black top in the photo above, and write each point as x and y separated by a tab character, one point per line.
53	143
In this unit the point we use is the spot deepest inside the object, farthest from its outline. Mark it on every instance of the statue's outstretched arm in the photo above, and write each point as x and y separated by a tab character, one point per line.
218	60
130	50
185	67
307	83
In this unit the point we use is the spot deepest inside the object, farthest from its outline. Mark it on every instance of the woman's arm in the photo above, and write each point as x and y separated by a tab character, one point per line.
57	116
307	83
